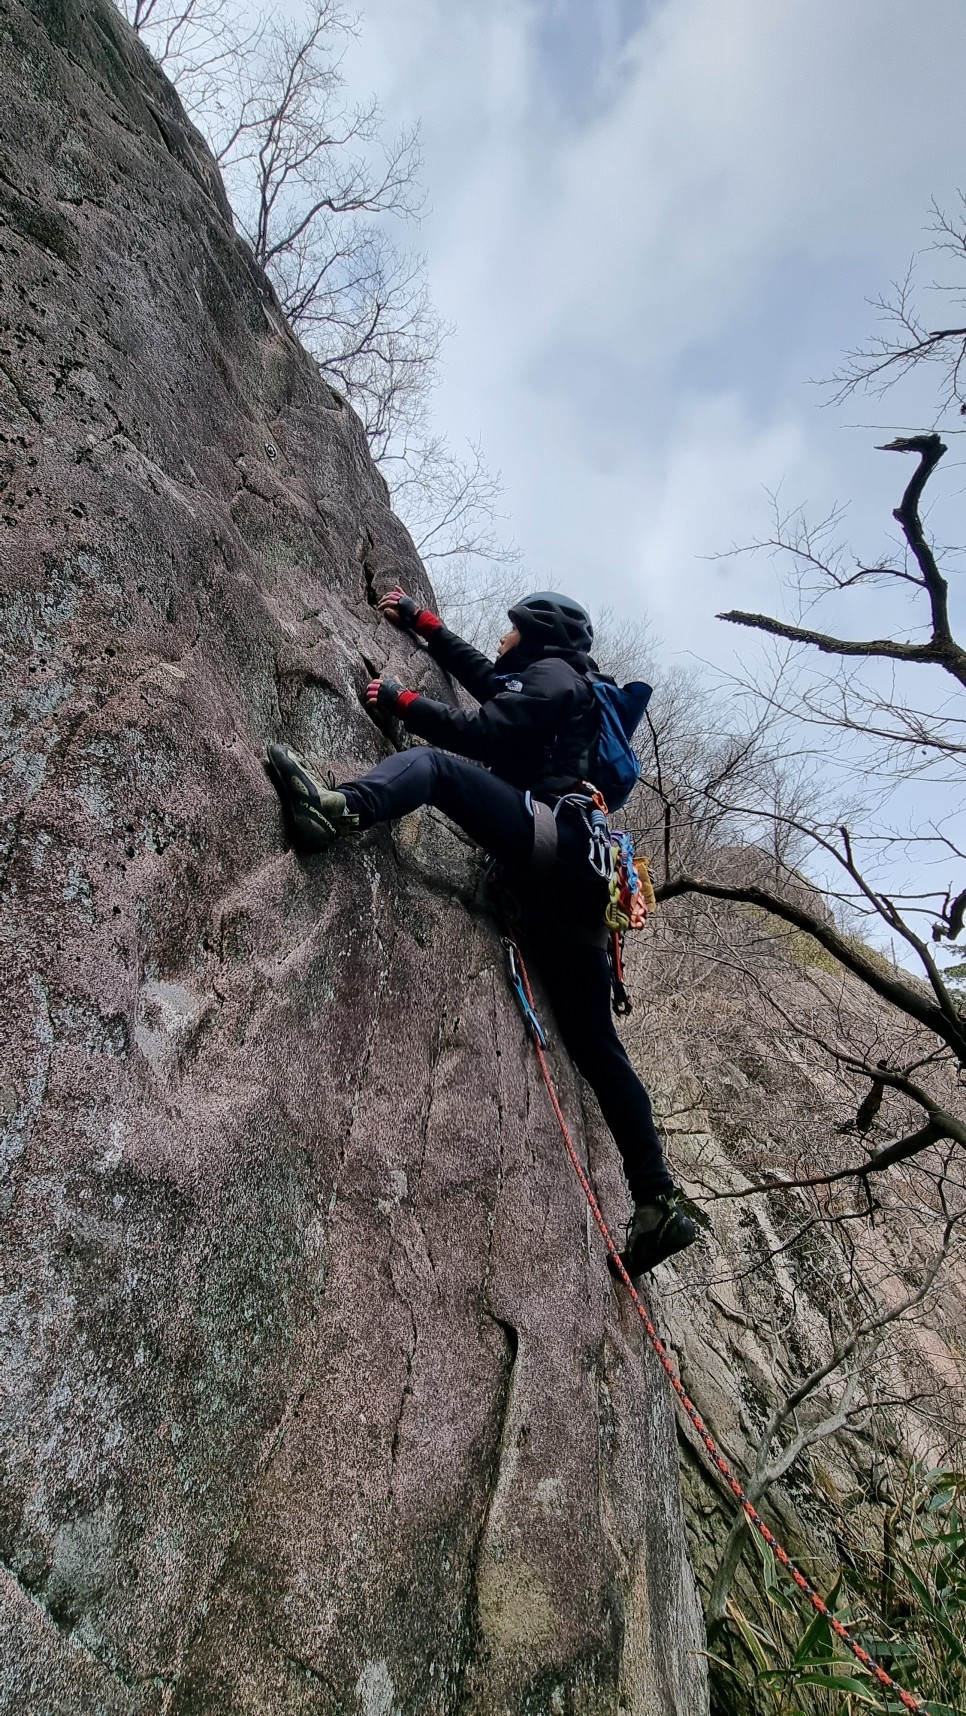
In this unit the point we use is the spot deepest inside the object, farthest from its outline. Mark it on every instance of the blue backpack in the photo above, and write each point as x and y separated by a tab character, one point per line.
614	769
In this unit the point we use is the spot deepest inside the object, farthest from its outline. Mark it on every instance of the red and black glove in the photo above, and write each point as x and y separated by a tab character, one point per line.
404	611
388	696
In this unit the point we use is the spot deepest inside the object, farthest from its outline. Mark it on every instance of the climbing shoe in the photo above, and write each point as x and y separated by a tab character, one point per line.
315	813
655	1231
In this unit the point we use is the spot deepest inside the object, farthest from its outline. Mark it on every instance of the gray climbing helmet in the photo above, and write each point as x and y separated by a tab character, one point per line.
547	617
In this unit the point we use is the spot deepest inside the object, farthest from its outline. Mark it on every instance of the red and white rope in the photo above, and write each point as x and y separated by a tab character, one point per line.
710	1445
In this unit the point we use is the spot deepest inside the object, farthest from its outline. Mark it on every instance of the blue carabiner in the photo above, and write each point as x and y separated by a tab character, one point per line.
516	983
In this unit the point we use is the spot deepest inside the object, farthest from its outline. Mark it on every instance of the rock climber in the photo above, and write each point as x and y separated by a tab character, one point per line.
533	733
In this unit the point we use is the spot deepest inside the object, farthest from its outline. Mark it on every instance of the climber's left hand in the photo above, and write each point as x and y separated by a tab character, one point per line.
388	696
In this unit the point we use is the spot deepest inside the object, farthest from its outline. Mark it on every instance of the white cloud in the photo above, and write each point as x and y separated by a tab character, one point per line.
649	233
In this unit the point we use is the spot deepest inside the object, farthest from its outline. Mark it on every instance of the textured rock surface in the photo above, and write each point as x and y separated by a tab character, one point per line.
315	1397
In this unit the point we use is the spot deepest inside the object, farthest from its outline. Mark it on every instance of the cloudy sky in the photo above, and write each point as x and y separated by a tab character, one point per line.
653	224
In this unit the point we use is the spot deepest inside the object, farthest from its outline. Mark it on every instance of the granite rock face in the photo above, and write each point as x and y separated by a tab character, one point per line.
315	1393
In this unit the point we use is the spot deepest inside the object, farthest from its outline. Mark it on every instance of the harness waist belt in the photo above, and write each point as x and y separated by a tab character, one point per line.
544	854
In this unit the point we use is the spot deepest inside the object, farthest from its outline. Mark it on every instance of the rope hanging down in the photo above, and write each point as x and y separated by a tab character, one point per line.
710	1445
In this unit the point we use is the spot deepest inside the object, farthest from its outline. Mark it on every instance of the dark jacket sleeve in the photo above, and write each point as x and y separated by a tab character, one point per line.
551	693
473	670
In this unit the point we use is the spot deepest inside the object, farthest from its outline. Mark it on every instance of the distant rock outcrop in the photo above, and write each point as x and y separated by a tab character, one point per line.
316	1394
749	1103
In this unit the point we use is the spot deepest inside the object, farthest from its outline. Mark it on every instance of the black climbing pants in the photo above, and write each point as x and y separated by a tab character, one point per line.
567	906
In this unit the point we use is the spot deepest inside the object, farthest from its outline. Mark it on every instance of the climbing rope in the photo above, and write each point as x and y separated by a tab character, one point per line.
710	1445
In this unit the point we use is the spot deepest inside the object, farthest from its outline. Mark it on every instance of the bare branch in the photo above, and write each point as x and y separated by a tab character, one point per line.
908	341
900	991
941	650
930	449
888	649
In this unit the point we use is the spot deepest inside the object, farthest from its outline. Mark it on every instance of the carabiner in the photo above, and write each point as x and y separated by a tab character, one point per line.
516	983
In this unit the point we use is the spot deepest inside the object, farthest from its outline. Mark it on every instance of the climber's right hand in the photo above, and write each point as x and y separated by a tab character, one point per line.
403	611
388	697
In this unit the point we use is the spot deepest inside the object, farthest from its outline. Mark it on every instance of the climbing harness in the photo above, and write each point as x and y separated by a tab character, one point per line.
522	990
544	855
630	892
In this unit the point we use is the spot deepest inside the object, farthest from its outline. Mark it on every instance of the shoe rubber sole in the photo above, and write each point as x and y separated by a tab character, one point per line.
307	828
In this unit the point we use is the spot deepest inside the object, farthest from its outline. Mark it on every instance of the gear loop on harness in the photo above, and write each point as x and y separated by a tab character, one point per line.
630	893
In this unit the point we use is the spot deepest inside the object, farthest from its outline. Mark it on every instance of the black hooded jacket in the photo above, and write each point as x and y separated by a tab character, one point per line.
537	719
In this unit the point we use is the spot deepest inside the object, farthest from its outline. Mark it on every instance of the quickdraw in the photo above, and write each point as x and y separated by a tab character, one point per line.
534	1027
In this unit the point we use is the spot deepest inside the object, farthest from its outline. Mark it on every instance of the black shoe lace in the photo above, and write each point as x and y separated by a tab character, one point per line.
324	776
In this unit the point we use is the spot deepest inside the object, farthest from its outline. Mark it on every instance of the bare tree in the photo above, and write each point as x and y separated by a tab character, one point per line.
623	647
758	1043
891	733
855	1356
697	758
908	340
450	503
761	980
198	43
311	182
327	204
474	601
